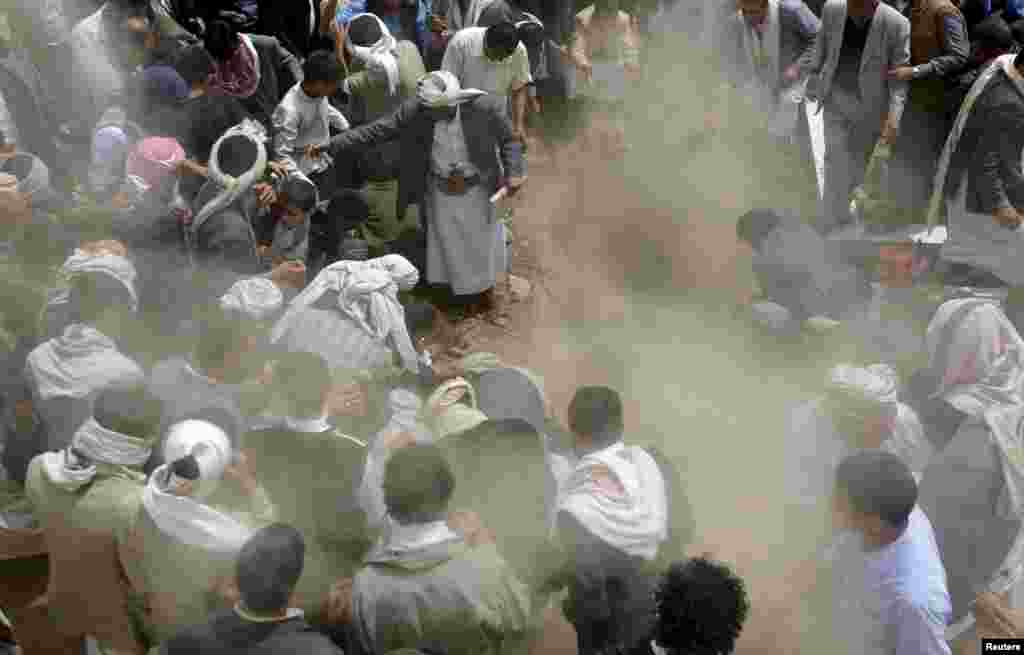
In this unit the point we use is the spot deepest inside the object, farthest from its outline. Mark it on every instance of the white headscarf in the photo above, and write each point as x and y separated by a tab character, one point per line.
441	89
74	364
257	298
231	188
368	295
878	383
66	470
113	266
628	512
210	446
96	444
380	57
977	355
185	518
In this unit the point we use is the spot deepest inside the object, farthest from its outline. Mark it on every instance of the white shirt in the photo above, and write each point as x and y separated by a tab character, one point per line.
299	121
465	59
894	600
819	449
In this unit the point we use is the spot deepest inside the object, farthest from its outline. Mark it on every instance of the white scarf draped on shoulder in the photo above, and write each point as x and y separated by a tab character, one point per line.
628	508
75	467
229	188
71	365
190	521
980	364
114	266
380	58
442	89
368	296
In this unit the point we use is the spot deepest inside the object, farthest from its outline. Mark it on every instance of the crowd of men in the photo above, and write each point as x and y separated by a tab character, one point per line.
236	417
919	107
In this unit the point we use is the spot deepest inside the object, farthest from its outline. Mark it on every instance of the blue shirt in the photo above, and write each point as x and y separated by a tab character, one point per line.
894	600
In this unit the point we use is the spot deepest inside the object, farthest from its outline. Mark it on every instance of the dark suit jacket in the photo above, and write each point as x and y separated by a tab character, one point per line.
989	149
488	131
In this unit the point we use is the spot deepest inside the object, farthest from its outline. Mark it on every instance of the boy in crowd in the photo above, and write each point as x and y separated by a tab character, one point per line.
282	224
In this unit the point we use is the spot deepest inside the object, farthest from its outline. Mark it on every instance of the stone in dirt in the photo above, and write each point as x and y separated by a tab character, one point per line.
520	288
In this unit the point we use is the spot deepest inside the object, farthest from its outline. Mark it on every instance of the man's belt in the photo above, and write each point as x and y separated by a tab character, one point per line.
457	184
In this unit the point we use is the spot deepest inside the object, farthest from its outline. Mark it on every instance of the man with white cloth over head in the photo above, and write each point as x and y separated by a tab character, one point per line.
65	373
350	315
612	518
473	154
860	410
255	299
87	498
385	74
108	258
183	544
973	488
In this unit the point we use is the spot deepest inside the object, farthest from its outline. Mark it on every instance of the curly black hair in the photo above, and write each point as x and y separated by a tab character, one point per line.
701	607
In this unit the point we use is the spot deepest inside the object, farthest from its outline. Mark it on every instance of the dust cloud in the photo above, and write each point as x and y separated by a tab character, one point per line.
644	275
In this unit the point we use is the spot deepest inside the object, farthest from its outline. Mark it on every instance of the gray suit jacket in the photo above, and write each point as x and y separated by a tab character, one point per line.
798	27
888	46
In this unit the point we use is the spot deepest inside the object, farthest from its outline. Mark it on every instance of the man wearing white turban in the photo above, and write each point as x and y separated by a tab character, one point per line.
385	75
255	298
350	315
860	410
184	542
473	154
87	498
65	373
102	258
973	490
